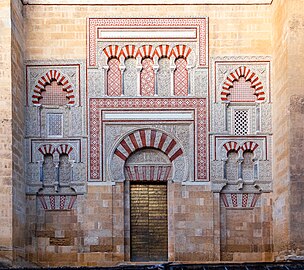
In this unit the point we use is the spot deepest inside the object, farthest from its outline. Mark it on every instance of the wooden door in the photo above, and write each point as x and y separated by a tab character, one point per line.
149	222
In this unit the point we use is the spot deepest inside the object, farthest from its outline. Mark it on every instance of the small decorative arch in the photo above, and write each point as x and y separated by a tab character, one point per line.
180	51
162	51
128	51
248	75
249	146
112	51
145	51
64	149
231	146
47	149
47	79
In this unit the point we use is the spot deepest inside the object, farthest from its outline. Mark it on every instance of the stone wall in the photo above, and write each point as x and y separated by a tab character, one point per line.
6	205
93	229
288	126
233	29
18	124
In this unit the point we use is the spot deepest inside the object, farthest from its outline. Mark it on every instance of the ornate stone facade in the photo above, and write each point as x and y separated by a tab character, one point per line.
128	130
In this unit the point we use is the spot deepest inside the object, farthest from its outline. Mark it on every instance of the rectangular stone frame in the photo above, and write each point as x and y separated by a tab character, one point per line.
200	25
97	105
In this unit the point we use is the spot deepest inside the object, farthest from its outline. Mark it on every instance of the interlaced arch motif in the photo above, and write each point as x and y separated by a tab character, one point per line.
164	50
50	149
47	79
234	146
248	75
148	138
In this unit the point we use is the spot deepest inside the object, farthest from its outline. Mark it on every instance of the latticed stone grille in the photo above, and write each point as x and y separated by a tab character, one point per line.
241	122
242	91
181	78
54	95
147	78
55	125
114	78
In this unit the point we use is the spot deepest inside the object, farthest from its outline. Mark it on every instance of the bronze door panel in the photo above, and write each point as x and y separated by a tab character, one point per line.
149	222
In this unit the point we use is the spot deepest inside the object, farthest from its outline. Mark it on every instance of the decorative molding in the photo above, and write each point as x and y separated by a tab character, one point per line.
147	2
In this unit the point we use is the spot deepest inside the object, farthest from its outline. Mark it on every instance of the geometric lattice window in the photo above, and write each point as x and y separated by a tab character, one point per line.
55	125
241	122
54	95
181	78
242	91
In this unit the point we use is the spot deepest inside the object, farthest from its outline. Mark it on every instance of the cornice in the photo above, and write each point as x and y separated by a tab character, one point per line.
146	2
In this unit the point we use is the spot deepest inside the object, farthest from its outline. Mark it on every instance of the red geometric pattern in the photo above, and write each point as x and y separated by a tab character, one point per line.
57	202
234	199
47	79
146	138
248	75
199	23
147	78
114	78
53	95
181	78
238	200
198	105
244	200
242	91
